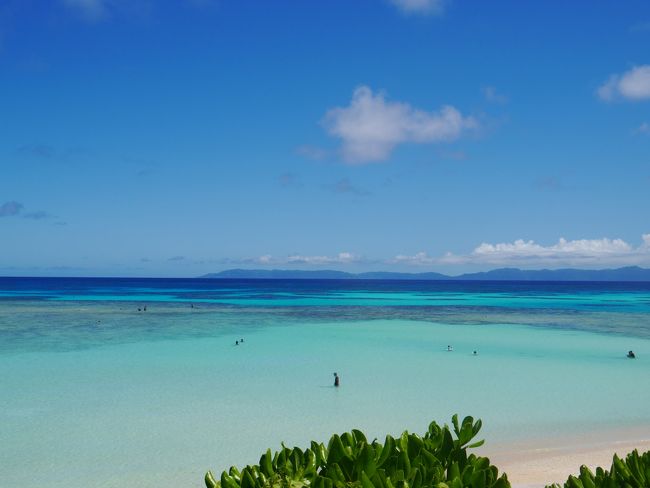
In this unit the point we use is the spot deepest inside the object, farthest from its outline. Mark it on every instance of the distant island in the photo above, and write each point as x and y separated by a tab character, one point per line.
629	273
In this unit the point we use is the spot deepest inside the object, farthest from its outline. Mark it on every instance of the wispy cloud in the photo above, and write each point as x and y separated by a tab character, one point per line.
340	258
38	150
38	215
90	10
633	85
643	129
202	3
10	209
371	127
640	27
426	7
300	259
312	152
176	258
94	11
289	180
458	155
16	209
549	183
344	185
491	95
418	259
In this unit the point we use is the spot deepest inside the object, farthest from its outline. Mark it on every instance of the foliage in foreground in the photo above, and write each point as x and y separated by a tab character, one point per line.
437	459
632	472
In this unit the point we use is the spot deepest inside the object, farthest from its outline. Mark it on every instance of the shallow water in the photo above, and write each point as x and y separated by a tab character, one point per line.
95	393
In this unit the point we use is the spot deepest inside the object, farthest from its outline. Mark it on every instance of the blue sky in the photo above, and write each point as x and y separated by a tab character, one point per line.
175	138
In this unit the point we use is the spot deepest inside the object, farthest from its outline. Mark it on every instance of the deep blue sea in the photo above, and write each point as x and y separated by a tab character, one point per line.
96	391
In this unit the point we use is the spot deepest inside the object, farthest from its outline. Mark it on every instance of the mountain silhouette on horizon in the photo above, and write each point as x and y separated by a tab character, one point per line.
628	273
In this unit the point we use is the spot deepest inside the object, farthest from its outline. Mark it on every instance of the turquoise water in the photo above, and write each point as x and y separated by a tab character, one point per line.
95	393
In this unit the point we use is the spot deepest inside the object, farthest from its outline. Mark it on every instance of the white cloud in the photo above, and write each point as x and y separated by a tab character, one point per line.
340	258
579	253
92	10
587	252
299	259
370	127
419	6
632	85
646	241
312	152
418	259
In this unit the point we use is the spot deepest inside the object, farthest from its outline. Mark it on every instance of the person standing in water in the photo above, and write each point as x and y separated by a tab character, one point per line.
336	380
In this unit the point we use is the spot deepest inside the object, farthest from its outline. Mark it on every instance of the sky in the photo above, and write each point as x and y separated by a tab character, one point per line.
177	138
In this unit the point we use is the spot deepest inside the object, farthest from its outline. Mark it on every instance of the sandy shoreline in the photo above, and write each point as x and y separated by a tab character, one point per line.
537	463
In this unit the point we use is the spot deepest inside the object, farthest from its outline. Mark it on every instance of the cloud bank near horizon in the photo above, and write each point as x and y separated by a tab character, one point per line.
589	253
580	252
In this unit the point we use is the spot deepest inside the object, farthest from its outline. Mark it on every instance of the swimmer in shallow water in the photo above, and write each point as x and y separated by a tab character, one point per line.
631	355
336	380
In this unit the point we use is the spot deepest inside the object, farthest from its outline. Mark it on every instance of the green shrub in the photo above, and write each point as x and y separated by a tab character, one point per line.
633	472
437	459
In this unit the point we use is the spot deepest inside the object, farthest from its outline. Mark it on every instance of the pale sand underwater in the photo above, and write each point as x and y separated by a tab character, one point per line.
96	394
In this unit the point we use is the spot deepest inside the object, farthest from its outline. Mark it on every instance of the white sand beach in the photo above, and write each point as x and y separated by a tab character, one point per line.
541	462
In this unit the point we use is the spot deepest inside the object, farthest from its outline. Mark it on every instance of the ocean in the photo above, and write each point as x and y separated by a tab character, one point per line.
96	391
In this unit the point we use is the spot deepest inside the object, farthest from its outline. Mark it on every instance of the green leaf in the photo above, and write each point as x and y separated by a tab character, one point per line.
389	448
466	431
416	478
348	440
405	463
501	483
447	445
477	427
476	444
247	480
404	441
454	421
587	477
366	461
359	436
415	445
365	481
478	479
453	471
335	449
574	482
227	481
266	463
210	482
234	472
